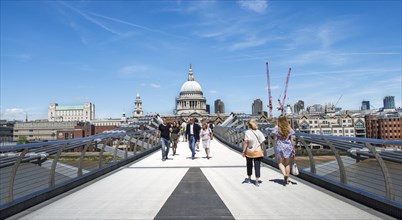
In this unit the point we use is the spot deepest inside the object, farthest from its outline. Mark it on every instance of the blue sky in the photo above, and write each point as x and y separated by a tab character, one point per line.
104	52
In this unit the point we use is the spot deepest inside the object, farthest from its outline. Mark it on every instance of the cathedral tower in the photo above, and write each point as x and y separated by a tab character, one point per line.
137	106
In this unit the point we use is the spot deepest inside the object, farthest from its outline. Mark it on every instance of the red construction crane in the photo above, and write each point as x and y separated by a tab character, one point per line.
269	93
281	104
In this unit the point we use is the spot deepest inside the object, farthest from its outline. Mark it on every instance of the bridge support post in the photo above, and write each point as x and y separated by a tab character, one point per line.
126	149
101	152
10	197
342	172
310	155
54	164
79	171
389	194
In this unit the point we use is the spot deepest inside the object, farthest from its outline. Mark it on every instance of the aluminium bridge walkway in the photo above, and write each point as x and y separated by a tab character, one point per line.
182	188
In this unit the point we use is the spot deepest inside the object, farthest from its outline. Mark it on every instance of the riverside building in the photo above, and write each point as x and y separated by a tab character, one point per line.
85	112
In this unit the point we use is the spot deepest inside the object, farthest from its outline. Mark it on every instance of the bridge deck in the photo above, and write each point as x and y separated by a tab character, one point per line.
152	188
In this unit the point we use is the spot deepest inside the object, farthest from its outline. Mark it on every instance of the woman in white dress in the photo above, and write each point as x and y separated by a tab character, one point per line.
206	137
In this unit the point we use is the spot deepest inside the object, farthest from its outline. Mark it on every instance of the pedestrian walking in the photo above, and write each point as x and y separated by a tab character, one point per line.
252	150
206	137
164	134
197	142
284	139
175	136
192	135
183	130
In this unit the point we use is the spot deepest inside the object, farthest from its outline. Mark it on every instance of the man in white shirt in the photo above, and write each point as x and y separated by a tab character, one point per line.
192	135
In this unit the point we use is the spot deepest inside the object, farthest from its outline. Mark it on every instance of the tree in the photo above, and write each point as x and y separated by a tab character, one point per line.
22	140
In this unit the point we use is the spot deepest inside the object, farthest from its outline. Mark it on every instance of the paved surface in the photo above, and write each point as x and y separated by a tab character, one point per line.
150	188
194	198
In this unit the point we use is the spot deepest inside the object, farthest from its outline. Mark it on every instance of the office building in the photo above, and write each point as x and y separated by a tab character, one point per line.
389	102
256	107
219	106
365	105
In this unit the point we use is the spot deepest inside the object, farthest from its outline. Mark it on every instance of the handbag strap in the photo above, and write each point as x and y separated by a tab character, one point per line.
257	139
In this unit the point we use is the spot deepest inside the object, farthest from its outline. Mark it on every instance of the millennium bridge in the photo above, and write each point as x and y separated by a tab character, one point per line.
120	175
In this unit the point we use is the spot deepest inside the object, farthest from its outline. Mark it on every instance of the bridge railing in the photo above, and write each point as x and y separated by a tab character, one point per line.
359	168
32	173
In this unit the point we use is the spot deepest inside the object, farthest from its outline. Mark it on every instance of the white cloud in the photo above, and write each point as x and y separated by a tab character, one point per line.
153	85
212	91
251	42
257	5
91	19
129	70
12	113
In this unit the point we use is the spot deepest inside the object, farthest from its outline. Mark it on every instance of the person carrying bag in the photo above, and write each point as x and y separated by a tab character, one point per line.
284	139
252	150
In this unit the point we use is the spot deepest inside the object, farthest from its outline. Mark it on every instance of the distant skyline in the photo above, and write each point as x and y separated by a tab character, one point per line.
104	52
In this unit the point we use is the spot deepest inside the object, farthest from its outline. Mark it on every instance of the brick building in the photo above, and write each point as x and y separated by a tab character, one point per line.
49	131
385	127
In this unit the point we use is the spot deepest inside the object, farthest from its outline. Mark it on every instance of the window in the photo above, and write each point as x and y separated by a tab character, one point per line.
359	125
30	130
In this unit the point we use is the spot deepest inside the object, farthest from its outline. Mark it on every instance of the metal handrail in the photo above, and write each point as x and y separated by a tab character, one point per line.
55	174
339	167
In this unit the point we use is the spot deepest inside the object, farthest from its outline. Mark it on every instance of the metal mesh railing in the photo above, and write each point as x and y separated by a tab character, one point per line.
360	163
30	169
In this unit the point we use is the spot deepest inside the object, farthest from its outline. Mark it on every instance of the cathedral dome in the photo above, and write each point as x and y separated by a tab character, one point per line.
190	87
191	99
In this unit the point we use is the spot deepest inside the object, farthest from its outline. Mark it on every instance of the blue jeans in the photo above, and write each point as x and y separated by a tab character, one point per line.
191	145
165	147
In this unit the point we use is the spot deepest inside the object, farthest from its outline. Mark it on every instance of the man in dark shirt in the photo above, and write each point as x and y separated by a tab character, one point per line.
164	133
192	135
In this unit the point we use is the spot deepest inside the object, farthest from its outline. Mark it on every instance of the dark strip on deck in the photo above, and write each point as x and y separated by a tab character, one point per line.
194	198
